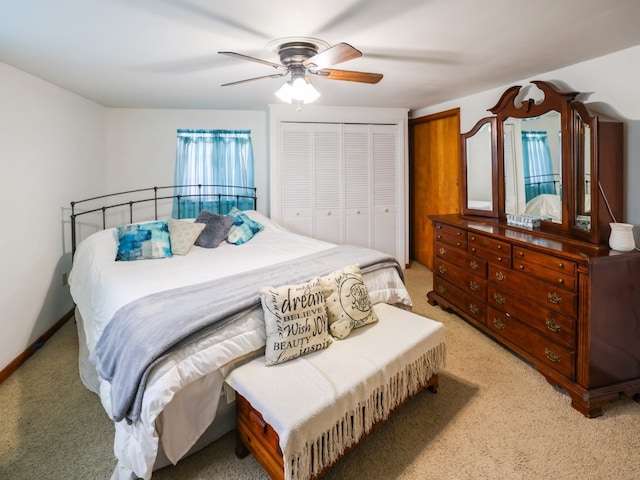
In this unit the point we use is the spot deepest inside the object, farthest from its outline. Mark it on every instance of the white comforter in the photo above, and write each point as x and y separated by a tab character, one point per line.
182	393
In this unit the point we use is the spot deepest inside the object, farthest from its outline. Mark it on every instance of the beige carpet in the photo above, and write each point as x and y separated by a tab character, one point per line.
494	417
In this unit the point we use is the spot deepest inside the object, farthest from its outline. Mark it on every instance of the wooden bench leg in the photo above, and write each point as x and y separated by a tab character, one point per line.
241	449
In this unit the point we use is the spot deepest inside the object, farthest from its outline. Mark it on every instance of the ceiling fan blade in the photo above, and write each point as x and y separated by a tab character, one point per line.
254	59
348	75
340	52
275	75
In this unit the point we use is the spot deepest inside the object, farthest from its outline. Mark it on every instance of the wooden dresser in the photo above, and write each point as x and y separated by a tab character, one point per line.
570	307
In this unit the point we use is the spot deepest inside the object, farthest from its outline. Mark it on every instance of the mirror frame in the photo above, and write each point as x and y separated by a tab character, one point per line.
493	213
510	105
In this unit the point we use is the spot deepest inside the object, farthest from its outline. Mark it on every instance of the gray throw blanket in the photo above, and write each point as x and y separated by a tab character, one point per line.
146	330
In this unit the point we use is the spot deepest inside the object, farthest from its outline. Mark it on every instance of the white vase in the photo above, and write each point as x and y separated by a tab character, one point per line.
621	238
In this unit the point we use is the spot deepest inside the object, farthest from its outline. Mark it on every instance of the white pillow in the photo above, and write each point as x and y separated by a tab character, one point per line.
183	235
295	319
348	302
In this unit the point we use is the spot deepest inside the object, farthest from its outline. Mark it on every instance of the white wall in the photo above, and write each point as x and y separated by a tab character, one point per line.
52	151
609	83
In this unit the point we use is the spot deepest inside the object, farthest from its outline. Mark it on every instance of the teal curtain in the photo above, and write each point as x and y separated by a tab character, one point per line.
212	157
538	166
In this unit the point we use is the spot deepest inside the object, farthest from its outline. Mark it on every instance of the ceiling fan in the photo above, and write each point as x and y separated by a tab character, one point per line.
301	56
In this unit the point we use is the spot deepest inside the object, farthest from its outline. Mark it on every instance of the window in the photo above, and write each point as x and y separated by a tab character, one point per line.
214	171
538	166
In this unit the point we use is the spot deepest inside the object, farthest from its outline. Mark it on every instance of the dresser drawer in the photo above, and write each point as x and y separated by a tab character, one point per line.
472	306
469	283
558	327
491	244
510	284
546	351
462	259
499	257
560	265
546	267
452	241
451	231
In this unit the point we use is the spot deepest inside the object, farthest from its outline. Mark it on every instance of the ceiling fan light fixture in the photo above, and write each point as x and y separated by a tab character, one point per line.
299	89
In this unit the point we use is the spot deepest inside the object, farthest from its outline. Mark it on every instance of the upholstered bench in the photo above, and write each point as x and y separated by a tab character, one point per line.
299	417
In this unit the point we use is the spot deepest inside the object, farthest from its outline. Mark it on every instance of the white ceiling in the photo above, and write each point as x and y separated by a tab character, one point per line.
163	53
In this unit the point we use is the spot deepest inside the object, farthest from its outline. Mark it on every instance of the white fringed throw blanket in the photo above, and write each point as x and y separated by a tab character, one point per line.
322	403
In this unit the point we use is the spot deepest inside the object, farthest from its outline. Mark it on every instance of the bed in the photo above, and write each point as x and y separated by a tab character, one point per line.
181	404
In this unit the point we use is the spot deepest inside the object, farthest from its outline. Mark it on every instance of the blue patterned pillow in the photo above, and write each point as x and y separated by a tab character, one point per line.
144	241
243	228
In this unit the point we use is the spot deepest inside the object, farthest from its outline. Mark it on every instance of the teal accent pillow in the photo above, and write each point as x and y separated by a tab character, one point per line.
144	241
244	227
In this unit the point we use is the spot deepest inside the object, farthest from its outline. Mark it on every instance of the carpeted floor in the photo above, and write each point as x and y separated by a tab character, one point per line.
494	417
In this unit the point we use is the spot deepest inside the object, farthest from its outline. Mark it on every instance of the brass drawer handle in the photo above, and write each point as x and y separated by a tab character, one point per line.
561	265
473	285
554	298
500	276
499	324
442	289
474	308
458	244
473	264
499	298
442	269
552	325
442	251
553	356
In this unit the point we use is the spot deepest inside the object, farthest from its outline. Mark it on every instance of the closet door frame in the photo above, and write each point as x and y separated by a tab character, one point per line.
279	114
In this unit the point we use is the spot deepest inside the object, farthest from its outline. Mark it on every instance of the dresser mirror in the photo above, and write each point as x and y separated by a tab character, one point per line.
479	169
557	160
532	157
582	147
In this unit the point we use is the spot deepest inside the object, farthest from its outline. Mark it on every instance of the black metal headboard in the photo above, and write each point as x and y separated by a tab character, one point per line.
221	197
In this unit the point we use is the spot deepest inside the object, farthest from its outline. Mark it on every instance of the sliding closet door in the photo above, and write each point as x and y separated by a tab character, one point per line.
386	194
327	182
357	153
297	180
342	183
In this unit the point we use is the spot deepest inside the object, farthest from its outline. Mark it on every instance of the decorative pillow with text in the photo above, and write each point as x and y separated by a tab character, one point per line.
348	302
296	320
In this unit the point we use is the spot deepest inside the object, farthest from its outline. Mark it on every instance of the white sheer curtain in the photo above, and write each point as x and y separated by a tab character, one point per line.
208	158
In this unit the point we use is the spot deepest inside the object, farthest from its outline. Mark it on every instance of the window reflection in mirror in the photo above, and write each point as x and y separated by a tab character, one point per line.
532	152
479	169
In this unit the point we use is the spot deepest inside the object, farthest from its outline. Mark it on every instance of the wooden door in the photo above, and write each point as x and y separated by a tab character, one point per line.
434	177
